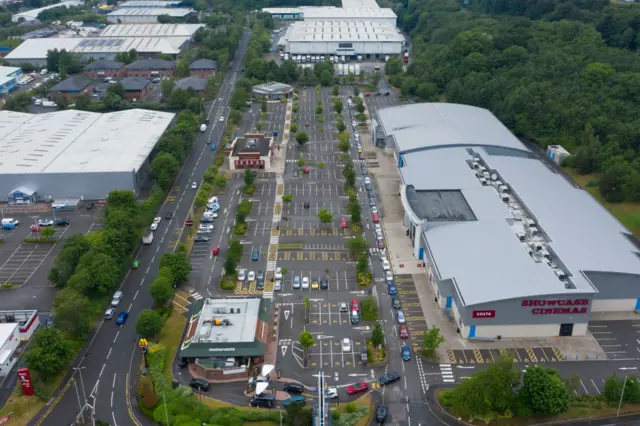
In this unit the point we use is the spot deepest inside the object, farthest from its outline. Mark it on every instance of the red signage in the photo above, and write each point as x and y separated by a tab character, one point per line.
547	307
4	419
25	381
484	314
188	222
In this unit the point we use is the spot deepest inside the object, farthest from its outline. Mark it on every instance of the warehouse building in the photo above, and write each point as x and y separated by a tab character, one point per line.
142	4
283	13
9	77
372	40
34	51
165	31
145	15
374	15
226	338
76	154
511	248
32	14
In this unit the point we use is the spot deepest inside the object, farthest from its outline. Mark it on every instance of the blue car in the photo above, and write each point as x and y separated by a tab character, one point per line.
215	207
392	290
122	318
213	147
255	255
296	282
297	400
406	353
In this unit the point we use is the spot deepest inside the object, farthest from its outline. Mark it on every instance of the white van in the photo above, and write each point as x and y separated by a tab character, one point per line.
44	72
10	221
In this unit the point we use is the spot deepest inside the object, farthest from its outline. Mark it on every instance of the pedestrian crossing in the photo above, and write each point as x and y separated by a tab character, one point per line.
274	240
327	162
446	373
197	296
271	265
376	251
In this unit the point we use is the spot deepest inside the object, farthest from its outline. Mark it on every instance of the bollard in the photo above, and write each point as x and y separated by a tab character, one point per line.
577	357
596	356
586	356
565	357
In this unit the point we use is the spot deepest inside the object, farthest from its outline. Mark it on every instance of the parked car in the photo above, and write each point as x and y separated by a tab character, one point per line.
278	275
386	265
277	286
201	238
381	414
297	400
260	284
122	318
343	223
242	275
346	345
376	218
324	284
305	283
251	276
200	384
355	305
392	290
357	388
62	222
255	254
315	285
296	282
293	388
260	275
46	222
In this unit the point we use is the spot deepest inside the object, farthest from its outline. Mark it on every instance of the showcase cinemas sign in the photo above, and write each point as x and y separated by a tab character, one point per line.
557	306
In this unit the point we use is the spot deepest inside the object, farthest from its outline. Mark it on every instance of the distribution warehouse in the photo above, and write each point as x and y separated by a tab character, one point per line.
511	247
76	154
146	39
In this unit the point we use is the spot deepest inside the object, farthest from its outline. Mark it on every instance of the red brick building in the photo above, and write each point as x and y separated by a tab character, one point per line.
105	68
151	68
72	88
203	68
135	87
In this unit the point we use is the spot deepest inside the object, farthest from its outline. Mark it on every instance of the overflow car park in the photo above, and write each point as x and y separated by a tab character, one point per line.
24	265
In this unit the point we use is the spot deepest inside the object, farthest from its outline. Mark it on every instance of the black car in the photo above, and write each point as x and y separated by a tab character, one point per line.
200	384
381	414
293	388
372	201
206	121
90	206
168	216
389	378
395	302
201	238
182	362
260	284
324	284
386	94
307	204
62	222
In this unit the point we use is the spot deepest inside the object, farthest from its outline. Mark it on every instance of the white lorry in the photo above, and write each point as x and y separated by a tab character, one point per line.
147	238
49	104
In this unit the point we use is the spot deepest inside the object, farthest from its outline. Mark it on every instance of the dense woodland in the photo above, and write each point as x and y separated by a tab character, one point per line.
555	72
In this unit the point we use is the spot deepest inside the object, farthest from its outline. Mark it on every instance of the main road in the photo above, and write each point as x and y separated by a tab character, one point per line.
105	372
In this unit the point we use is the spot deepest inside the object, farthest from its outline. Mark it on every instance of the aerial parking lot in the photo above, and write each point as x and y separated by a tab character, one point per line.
24	266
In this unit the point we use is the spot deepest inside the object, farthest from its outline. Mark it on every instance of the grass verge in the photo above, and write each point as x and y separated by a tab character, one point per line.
24	408
290	246
170	337
228	282
627	213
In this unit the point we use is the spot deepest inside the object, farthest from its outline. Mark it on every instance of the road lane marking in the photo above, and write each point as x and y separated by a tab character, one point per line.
103	365
135	295
109	354
115	338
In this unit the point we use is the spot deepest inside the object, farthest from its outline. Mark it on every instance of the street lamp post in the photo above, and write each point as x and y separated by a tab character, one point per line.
75	384
79	370
622	395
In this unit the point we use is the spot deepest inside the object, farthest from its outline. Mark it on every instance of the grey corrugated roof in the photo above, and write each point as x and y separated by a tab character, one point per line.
134	84
204	64
152	64
273	87
71	84
104	64
484	257
447	124
196	83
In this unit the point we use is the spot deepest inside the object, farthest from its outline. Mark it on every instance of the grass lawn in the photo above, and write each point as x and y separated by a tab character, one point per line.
579	408
362	401
24	408
628	213
215	403
170	337
291	246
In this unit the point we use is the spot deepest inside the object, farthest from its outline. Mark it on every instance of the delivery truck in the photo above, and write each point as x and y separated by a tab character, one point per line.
147	238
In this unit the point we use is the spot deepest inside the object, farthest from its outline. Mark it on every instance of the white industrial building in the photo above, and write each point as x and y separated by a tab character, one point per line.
151	30
9	341
372	40
141	4
374	15
145	15
34	51
76	154
32	14
511	247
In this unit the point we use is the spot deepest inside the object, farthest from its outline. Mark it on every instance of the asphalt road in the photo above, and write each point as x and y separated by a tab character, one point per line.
101	372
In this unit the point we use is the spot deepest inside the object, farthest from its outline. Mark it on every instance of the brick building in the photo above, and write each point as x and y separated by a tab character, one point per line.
105	68
135	87
72	88
151	68
253	151
203	68
195	83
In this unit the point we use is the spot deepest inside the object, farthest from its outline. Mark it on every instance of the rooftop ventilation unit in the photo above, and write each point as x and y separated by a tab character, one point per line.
494	176
521	236
505	198
560	274
533	231
483	181
503	189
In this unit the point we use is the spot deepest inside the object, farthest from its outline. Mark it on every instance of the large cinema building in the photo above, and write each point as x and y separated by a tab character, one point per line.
511	247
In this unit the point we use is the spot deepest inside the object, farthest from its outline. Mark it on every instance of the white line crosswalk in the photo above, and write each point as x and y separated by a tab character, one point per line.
447	373
197	296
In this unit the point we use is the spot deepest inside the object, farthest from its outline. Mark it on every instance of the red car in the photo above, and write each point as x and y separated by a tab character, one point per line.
376	218
343	223
357	388
306	124
366	95
355	306
36	228
404	333
215	251
306	170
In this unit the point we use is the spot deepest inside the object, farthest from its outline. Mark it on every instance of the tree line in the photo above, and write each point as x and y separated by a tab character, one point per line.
549	81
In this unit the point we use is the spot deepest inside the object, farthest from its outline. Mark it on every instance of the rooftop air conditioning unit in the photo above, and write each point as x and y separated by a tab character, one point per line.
521	235
505	198
476	165
494	177
483	181
560	274
503	189
486	175
528	222
534	231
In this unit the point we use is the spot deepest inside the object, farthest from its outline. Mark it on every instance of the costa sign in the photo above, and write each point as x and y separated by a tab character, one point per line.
484	314
557	306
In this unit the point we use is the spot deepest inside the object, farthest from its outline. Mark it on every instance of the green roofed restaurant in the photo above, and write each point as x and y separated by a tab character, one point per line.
226	339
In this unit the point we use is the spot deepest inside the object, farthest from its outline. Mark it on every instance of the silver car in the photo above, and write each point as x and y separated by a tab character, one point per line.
242	275
117	297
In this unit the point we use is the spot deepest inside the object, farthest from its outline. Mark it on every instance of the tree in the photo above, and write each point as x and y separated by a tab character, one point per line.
344	146
249	177
572	383
164	168
161	290
432	341
220	182
357	245
83	102
210	174
235	249
166	87
97	273
336	90
544	391
377	336
178	263
360	108
338	106
49	353
341	128
302	137
230	265
149	323
324	216
319	110
362	266
122	199
235	116
287	198
68	258
307	340
72	313
182	68
613	389
263	106
356	91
